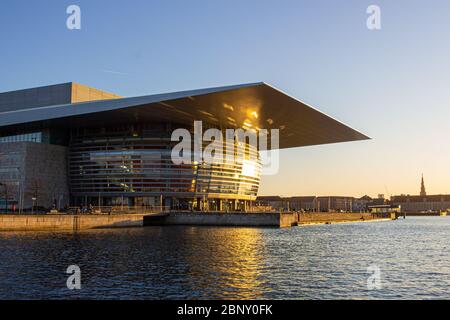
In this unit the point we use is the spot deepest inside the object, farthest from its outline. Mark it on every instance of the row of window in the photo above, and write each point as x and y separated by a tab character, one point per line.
28	137
145	166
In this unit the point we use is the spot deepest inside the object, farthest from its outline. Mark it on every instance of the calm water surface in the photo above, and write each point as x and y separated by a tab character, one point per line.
326	262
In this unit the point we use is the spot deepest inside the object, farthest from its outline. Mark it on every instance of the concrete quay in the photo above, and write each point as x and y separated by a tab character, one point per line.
422	214
331	218
64	222
272	219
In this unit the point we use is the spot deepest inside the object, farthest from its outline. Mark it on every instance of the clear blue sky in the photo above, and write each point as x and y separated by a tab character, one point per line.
392	84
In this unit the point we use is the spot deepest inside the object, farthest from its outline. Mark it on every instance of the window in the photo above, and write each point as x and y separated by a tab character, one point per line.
30	137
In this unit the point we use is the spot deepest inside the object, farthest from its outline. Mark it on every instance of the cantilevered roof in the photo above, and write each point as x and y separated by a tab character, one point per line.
255	105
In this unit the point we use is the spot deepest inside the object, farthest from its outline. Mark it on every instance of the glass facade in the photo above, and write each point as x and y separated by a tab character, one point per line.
26	137
132	165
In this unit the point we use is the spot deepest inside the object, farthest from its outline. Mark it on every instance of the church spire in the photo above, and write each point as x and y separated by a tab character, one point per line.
423	193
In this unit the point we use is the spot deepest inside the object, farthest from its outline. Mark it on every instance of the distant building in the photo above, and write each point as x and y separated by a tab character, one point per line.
306	203
381	200
422	202
384	208
303	203
335	203
311	203
322	203
419	203
361	204
275	202
423	192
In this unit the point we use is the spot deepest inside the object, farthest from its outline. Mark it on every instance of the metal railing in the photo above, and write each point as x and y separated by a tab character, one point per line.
118	210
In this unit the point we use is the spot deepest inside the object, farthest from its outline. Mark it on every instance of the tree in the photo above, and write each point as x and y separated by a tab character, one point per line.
35	191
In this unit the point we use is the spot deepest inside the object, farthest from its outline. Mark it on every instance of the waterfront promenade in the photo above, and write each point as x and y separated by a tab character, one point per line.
263	219
69	222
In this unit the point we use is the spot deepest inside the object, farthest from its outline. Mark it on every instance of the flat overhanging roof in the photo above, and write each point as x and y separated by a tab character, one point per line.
255	105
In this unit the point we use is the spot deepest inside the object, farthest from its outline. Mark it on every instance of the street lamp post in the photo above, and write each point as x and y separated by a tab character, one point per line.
32	207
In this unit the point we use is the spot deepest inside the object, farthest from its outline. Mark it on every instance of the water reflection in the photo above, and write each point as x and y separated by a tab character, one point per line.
228	258
178	262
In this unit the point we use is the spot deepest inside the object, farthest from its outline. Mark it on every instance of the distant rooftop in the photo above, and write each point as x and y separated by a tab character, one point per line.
419	198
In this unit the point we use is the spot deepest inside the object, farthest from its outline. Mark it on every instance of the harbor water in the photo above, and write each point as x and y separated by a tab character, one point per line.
312	262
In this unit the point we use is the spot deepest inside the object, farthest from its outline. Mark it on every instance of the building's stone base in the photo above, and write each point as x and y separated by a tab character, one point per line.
328	218
34	171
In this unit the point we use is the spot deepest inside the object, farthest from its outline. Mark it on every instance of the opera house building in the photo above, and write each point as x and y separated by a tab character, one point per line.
71	145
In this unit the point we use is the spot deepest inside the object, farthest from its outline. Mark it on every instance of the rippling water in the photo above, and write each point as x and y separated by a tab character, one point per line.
326	262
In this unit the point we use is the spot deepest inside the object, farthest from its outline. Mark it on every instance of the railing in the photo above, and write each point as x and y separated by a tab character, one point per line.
109	210
118	210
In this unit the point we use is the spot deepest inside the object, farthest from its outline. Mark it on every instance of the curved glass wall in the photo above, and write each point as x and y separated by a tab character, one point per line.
132	164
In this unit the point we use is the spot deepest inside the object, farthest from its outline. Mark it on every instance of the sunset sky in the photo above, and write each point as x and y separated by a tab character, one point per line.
392	84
